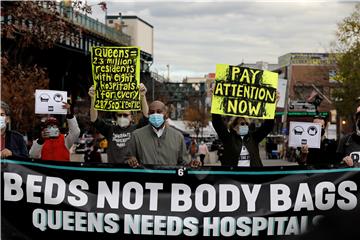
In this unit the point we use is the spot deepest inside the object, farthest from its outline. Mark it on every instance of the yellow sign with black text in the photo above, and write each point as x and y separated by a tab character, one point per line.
246	92
116	76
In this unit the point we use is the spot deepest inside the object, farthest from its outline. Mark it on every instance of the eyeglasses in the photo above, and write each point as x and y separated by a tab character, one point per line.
243	123
122	114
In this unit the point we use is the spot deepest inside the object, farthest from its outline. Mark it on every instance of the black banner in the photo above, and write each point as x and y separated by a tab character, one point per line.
54	200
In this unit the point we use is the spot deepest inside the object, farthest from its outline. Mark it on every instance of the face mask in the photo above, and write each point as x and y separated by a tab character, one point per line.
53	132
123	122
156	119
243	130
2	122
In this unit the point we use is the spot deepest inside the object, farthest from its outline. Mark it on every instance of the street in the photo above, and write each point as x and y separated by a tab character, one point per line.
210	160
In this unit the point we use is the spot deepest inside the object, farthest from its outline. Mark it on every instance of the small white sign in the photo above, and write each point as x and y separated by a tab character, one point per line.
282	85
50	102
304	133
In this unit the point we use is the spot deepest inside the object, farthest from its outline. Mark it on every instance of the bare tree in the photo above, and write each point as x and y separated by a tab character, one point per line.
197	119
37	25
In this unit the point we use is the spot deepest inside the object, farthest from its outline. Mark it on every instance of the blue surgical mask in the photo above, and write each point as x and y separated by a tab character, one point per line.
2	122
156	119
243	130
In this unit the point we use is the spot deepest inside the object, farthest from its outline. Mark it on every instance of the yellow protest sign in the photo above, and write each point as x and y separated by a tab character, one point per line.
246	92
116	76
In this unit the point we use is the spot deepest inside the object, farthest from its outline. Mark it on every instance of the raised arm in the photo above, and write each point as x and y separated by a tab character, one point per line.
74	131
93	111
220	127
144	105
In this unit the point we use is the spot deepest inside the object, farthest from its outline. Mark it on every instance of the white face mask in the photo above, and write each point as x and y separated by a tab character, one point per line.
2	122
53	132
123	121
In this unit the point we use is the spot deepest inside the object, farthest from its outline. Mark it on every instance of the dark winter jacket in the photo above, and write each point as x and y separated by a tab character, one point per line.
14	141
233	142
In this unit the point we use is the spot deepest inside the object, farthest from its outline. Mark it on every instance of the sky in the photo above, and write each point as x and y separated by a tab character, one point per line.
193	36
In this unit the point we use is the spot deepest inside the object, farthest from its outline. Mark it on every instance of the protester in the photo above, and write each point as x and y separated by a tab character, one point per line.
52	145
325	156
241	147
118	135
193	149
203	151
12	142
348	151
158	143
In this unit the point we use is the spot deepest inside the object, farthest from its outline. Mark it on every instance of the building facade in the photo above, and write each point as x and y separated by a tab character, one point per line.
309	86
141	33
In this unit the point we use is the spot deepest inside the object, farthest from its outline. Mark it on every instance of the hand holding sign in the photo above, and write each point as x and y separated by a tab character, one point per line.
143	90
133	162
304	149
195	163
91	91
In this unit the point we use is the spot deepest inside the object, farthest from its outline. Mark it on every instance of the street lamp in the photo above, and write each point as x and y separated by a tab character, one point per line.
153	84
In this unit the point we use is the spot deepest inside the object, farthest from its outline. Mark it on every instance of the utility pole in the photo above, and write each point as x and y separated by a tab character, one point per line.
285	128
168	72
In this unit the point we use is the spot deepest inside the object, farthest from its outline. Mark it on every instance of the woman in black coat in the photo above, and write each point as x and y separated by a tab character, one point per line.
241	146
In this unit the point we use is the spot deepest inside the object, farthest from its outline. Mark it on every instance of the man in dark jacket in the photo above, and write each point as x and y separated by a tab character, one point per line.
12	142
241	147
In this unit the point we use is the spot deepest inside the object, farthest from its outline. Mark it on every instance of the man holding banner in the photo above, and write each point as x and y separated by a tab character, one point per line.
244	93
158	143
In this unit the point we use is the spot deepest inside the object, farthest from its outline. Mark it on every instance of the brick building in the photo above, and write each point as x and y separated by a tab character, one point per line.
308	74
